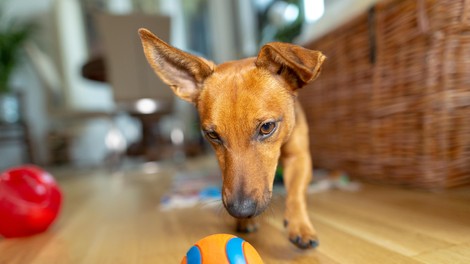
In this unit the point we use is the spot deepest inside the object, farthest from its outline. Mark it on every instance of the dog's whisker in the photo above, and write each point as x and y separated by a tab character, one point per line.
211	202
220	210
271	210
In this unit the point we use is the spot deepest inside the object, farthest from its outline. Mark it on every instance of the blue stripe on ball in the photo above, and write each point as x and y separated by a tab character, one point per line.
193	256
234	251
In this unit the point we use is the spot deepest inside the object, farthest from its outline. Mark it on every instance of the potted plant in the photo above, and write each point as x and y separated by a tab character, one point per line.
12	37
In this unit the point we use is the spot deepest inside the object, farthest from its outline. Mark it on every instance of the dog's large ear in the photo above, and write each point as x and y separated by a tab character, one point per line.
297	65
182	71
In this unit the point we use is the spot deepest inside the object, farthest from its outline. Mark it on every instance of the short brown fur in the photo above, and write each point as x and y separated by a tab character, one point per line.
239	102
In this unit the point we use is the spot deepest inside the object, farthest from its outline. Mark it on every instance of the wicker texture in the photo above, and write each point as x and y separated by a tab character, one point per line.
393	101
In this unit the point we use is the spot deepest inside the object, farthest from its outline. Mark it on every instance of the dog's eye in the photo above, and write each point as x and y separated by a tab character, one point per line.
267	129
212	136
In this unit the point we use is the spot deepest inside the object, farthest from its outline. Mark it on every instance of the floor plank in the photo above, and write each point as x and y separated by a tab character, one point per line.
376	231
417	214
459	254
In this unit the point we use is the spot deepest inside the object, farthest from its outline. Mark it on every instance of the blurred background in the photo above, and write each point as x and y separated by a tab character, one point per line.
68	101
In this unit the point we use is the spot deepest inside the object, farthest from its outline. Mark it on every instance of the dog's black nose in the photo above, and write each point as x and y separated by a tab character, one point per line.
242	207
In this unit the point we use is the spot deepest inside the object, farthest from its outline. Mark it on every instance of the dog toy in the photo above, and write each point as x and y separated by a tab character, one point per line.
222	249
30	200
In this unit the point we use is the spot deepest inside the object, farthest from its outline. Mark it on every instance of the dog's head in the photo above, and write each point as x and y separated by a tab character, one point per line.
246	109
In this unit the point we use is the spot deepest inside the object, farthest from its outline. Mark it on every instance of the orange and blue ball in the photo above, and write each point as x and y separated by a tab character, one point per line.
222	249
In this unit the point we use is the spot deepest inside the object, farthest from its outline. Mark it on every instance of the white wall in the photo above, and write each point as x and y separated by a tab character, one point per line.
222	30
336	14
24	79
61	35
81	94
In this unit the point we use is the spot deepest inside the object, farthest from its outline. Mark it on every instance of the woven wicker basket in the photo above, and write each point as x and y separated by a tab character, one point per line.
393	101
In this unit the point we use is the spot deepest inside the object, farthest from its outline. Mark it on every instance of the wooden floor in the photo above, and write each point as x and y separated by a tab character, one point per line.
115	219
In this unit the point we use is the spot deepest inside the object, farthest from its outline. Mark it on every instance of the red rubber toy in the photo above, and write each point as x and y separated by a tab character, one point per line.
30	201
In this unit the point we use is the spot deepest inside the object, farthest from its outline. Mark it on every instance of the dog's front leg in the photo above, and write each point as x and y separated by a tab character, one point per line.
297	166
247	225
297	175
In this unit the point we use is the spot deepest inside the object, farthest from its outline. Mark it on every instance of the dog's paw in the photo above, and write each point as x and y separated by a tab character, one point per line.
301	234
247	225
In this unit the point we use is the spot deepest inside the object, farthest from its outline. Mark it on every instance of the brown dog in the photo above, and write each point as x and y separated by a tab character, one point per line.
250	115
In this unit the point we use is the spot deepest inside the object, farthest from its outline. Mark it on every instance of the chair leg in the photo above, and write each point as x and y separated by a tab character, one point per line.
28	155
116	144
150	138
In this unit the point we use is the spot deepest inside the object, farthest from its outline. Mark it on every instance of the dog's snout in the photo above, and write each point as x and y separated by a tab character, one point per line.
242	207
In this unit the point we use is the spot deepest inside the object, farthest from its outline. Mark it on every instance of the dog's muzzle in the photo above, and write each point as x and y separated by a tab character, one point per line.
243	207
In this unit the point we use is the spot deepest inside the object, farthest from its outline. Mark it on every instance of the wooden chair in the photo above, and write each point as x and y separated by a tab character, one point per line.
136	88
